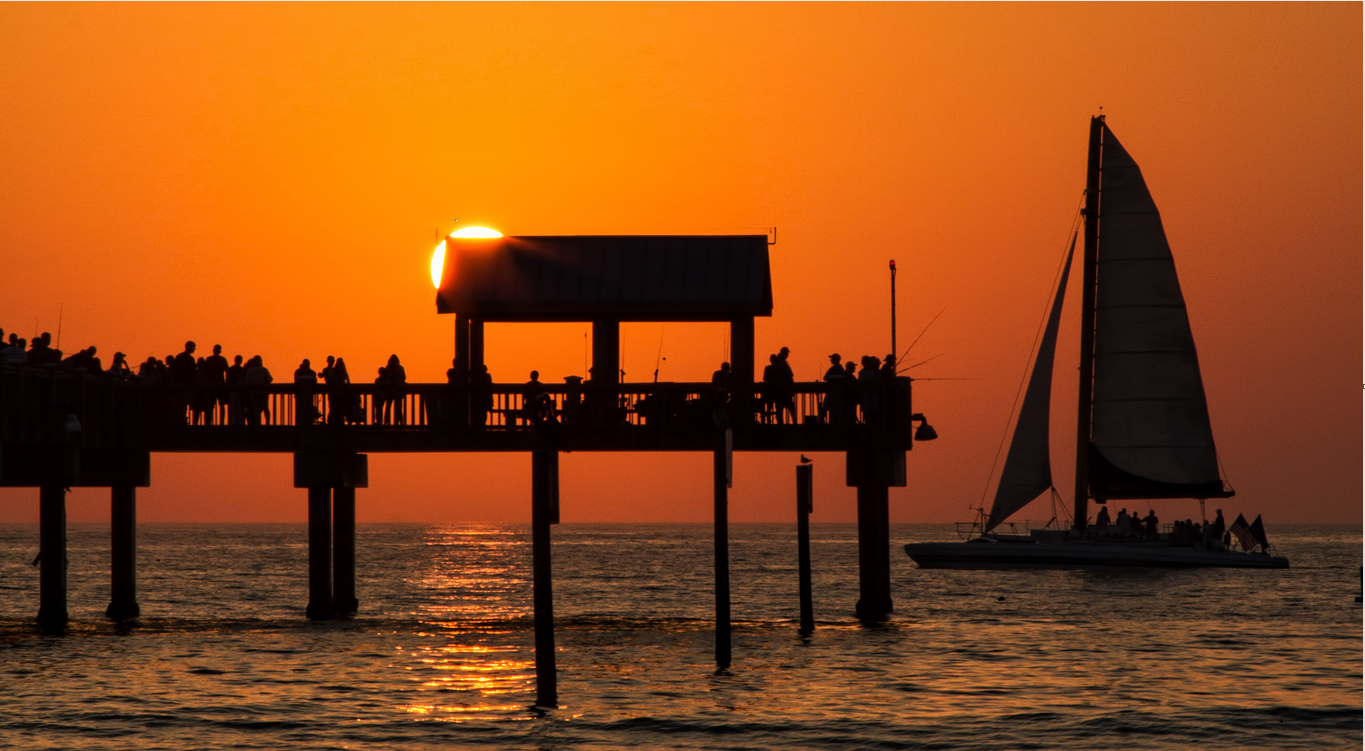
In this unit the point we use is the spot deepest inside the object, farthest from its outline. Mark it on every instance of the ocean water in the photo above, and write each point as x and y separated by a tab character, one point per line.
440	654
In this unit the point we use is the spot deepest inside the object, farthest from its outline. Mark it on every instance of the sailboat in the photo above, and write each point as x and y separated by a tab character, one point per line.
1143	429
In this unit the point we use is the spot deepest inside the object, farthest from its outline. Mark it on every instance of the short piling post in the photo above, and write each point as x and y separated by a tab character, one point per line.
123	553
319	553
721	461
805	474
544	512
344	601
52	615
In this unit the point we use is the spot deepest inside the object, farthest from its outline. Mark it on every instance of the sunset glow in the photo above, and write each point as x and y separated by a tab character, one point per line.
438	262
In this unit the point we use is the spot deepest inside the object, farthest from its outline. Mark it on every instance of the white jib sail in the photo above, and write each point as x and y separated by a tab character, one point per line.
1150	416
1028	465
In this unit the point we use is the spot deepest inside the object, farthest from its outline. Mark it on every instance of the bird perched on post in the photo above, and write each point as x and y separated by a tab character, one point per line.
804	460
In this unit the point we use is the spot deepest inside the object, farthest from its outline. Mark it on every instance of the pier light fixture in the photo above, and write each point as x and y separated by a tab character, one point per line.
925	431
438	256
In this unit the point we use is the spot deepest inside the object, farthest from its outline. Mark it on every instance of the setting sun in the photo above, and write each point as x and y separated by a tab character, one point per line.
438	256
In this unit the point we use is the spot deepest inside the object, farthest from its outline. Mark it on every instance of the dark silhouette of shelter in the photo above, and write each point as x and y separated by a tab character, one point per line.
605	280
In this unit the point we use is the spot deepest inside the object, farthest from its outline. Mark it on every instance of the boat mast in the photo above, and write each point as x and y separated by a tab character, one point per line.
1087	374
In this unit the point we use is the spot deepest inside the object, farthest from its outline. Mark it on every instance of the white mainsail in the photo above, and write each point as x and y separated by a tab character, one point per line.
1150	431
1028	465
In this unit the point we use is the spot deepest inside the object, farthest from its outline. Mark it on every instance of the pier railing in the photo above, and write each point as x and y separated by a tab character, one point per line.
48	406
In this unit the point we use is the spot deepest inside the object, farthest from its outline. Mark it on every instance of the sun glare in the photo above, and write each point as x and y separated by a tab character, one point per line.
438	262
476	232
438	256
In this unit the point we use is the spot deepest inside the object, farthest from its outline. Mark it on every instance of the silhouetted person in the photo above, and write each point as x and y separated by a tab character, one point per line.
481	382
118	368
722	377
1218	527
768	403
833	406
397	380
306	398
257	401
235	371
183	366
1152	523
345	400
14	354
888	372
1102	518
149	371
379	404
867	382
786	387
533	398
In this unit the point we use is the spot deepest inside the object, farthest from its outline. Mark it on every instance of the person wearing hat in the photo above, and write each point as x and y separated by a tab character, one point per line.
832	408
119	367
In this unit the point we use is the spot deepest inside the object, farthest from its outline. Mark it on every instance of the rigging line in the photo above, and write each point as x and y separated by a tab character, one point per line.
921	334
1042	323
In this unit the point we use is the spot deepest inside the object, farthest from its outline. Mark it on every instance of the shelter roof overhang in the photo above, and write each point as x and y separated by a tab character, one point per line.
550	278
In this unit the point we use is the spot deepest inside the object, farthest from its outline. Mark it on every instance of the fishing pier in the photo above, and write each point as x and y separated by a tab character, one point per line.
61	429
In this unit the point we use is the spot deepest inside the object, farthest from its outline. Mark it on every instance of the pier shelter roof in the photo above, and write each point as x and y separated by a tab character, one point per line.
618	277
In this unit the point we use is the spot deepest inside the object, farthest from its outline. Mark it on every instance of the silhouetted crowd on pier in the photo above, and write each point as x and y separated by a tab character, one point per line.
851	393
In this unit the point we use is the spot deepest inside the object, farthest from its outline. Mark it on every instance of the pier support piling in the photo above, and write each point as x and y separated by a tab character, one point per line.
52	615
123	553
319	553
344	601
544	512
874	553
721	461
805	492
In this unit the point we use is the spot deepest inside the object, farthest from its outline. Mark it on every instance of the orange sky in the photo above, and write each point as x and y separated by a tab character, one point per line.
272	178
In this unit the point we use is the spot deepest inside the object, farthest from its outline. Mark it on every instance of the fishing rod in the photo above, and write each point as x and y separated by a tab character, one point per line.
659	357
921	335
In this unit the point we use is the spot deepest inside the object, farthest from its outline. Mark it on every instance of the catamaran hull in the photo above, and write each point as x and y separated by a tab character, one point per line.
1072	555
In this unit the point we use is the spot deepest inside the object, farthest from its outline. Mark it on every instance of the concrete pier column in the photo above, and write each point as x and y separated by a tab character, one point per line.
805	493
321	472
52	615
319	553
721	474
742	366
123	553
544	512
874	553
344	601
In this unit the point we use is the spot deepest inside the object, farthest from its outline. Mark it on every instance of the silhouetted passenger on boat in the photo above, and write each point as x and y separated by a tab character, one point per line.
184	365
1102	518
118	368
1152	524
41	351
14	354
1218	527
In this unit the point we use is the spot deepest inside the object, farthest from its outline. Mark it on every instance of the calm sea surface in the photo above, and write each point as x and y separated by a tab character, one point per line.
441	651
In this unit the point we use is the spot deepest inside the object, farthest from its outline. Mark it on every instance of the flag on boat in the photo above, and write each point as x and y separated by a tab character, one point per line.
1257	532
1242	531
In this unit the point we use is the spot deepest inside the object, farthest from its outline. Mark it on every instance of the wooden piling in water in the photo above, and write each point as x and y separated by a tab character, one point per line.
52	614
805	492
874	553
544	512
344	600
721	461
123	553
319	553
